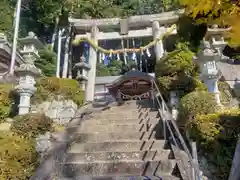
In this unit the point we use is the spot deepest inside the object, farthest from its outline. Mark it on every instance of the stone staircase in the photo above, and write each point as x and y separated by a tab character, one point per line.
122	142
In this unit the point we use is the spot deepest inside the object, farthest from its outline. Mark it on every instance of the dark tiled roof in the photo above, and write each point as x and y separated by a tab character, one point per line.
105	79
230	71
110	79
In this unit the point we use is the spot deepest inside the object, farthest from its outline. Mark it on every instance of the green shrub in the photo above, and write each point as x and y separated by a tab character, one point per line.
184	84
194	103
53	87
177	71
31	125
217	136
18	157
5	100
175	62
220	125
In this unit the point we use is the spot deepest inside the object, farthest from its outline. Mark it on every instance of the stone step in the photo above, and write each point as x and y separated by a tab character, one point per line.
113	136
116	168
114	127
118	120
120	115
124	114
115	146
129	177
128	110
120	155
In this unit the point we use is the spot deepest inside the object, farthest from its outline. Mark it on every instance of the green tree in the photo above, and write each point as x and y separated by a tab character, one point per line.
40	16
115	67
47	62
6	14
95	9
122	8
176	62
102	70
188	30
176	71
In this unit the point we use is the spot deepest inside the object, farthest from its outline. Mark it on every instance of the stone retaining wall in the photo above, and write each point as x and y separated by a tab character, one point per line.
60	111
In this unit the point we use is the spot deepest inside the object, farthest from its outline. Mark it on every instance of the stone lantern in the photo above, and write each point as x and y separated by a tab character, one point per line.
210	73
82	69
27	72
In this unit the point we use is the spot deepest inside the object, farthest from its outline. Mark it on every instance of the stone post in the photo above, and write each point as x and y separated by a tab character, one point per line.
159	50
66	56
92	62
210	74
82	71
27	72
174	102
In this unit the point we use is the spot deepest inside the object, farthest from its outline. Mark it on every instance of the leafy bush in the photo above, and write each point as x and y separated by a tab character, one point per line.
52	87
220	125
176	71
178	61
217	135
194	103
184	84
114	68
18	158
5	100
31	125
102	70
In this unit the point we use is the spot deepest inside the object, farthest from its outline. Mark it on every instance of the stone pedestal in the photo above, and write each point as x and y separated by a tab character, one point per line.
25	95
92	62
174	102
26	86
212	85
66	57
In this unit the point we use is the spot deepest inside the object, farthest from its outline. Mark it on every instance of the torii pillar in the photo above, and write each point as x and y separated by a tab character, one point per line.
157	32
90	89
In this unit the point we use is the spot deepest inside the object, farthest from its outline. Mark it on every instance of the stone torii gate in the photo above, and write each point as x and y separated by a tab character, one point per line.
153	25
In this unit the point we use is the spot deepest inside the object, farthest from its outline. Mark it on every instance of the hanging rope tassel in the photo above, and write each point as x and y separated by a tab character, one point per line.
141	56
133	43
110	54
106	62
134	56
103	57
148	52
125	57
118	57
